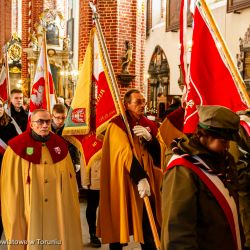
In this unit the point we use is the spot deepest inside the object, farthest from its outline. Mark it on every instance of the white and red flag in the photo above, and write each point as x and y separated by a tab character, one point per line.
43	92
213	79
3	84
93	105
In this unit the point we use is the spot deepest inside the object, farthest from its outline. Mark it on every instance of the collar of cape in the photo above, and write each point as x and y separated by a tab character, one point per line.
217	188
145	122
56	145
177	118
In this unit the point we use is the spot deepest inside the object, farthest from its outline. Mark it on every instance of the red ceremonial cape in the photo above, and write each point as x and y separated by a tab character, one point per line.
29	149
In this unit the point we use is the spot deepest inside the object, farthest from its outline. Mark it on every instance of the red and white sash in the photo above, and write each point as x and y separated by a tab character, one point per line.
217	188
3	146
246	126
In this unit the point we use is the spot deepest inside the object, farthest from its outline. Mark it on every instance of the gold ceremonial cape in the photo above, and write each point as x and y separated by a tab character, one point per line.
121	208
40	206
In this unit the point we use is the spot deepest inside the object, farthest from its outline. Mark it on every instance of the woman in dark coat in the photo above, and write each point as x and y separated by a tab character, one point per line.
7	132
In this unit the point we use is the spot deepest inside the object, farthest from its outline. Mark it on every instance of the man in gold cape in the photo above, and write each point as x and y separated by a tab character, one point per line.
126	179
40	208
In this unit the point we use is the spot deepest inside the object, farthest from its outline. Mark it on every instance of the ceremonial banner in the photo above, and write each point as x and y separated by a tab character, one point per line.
211	81
3	84
93	105
93	76
89	145
43	84
106	106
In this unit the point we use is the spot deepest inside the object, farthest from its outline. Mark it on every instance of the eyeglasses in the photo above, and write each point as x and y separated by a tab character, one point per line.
59	117
139	102
41	122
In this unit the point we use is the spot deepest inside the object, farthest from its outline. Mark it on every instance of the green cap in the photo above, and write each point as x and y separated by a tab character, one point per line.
220	121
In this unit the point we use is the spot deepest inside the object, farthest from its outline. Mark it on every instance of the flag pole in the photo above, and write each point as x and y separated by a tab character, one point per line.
47	87
238	79
6	59
111	71
114	86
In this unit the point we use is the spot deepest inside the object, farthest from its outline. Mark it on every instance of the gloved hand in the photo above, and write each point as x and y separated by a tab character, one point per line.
142	131
143	188
77	167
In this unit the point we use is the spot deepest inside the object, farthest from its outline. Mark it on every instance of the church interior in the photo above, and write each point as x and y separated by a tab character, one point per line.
145	31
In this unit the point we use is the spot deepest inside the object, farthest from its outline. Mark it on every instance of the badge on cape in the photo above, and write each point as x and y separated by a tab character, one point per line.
29	150
58	150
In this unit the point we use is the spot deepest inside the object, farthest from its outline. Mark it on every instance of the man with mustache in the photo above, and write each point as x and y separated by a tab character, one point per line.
126	179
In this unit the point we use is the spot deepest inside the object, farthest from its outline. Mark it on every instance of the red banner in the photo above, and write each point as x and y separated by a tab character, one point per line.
3	84
211	81
38	97
92	107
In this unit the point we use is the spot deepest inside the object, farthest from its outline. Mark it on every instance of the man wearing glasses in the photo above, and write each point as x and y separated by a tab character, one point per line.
38	190
126	178
59	113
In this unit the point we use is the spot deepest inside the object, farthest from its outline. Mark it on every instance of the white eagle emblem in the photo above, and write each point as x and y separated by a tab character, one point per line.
58	150
37	96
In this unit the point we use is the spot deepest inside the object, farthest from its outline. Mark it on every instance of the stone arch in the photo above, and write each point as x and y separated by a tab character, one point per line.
158	82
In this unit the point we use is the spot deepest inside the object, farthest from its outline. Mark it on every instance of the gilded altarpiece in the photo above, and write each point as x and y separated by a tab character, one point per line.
58	51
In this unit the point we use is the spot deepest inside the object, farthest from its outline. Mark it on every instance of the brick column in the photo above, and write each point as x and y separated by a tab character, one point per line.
119	22
36	10
85	25
5	23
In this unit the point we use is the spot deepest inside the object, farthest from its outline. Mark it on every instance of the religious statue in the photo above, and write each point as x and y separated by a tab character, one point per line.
33	41
127	58
66	43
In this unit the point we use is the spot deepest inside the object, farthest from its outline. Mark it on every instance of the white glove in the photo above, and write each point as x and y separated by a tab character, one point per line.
143	188
142	131
77	167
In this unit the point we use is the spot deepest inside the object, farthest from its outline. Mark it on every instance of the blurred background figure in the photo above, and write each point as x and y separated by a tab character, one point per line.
175	104
91	182
7	132
68	103
26	105
241	153
60	100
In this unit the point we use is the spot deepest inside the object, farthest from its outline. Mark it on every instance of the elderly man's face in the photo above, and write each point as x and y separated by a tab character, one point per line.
137	105
41	122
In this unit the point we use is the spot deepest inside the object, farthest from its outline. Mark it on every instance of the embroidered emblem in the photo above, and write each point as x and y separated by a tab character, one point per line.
78	115
29	150
58	150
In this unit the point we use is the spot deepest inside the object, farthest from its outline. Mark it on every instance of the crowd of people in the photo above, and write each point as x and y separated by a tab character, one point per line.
199	189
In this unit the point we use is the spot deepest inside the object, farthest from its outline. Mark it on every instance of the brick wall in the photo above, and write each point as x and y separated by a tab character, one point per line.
85	25
36	9
120	22
5	24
